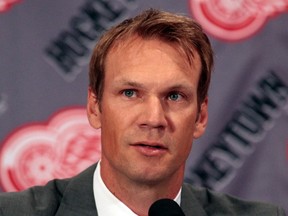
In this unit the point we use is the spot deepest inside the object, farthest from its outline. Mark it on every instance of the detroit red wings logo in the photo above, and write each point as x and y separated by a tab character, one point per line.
7	4
37	153
234	20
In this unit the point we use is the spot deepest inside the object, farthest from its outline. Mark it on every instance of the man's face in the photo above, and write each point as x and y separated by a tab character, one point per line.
149	114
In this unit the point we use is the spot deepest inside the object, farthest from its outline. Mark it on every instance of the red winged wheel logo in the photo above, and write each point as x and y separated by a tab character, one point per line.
234	20
60	148
7	4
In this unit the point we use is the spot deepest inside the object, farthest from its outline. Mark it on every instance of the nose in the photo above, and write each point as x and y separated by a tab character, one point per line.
154	113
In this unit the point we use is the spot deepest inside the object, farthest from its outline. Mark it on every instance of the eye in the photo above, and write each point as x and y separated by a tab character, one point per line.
129	93
174	96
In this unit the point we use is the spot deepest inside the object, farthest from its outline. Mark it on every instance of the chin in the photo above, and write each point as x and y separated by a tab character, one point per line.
151	177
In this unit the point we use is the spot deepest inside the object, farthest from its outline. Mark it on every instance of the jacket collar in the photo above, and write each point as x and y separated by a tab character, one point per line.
189	203
78	198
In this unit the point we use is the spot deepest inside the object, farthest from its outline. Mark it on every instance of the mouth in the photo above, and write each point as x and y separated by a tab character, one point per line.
150	149
151	146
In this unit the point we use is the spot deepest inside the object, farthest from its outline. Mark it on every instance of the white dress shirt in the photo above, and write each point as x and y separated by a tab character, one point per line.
107	203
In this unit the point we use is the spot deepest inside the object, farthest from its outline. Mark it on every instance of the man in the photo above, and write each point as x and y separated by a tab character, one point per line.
149	78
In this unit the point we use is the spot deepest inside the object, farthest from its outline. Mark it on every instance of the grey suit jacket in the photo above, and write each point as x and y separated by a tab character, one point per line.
74	197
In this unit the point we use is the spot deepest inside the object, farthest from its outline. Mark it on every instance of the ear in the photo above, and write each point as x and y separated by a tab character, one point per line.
201	121
93	111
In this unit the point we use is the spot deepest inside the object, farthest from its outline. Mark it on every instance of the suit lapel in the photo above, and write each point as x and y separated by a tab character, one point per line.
189	204
78	198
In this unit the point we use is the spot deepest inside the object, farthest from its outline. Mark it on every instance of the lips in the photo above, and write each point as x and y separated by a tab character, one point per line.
150	149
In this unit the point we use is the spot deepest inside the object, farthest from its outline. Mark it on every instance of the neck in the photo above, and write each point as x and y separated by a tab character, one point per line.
140	195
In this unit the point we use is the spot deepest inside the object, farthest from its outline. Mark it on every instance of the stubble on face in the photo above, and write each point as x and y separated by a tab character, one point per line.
131	128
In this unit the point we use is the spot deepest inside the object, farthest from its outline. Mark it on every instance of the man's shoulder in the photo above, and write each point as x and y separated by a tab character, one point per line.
36	200
56	197
214	203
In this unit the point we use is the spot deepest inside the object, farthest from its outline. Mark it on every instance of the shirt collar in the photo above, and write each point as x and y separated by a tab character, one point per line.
107	203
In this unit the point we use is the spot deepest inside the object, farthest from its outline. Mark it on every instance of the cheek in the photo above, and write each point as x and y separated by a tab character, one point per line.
111	117
185	122
114	126
184	130
184	142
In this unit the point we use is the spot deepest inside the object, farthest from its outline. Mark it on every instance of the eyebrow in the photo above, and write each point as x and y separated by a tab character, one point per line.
136	84
179	86
130	83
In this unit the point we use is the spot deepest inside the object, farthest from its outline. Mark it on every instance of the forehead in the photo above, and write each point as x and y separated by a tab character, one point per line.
135	42
151	54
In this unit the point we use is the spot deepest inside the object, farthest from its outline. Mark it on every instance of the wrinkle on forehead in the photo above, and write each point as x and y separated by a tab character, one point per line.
137	43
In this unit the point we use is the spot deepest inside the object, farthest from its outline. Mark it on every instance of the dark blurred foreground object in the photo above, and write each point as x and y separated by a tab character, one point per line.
165	207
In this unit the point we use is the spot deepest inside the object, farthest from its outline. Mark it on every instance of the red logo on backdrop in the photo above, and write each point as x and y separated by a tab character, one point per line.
60	148
7	4
234	20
